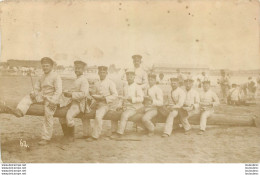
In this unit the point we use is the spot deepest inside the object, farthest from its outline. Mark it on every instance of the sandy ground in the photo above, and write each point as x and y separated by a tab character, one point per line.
219	144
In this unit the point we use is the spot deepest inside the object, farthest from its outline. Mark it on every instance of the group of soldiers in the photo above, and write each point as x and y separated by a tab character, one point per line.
140	91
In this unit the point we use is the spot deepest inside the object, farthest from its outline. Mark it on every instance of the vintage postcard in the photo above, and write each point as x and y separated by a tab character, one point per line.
127	81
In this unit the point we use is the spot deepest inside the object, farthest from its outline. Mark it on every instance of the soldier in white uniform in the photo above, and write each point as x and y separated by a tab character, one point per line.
77	98
208	100
132	101
176	102
47	90
191	104
105	94
151	102
140	74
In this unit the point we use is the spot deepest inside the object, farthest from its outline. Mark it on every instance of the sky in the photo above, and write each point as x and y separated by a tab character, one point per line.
219	34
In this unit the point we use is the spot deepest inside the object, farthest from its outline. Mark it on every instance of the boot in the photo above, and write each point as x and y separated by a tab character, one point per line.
64	130
71	131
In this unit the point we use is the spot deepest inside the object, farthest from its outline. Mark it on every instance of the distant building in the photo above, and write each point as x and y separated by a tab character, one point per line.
167	68
24	63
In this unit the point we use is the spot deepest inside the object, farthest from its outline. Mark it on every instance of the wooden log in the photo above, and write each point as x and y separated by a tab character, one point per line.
216	119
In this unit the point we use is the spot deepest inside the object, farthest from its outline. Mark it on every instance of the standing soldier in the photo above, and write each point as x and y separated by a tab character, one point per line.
77	97
151	102
133	98
140	73
47	90
105	94
180	77
191	104
176	102
208	100
224	84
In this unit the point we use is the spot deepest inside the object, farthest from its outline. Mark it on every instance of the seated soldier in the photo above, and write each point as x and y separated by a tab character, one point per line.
208	100
234	95
77	98
132	101
191	104
47	90
151	102
105	94
176	99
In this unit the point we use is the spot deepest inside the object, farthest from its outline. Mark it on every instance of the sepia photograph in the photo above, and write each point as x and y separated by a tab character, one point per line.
128	81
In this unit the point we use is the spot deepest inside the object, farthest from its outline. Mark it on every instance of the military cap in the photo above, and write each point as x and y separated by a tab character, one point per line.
188	78
137	57
152	76
47	60
174	79
80	62
102	68
130	71
206	80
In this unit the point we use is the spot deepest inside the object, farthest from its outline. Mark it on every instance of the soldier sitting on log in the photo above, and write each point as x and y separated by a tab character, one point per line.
77	97
208	100
191	104
176	100
47	90
105	94
151	102
132	102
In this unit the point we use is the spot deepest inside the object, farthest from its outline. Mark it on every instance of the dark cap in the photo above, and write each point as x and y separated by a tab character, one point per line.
137	57
79	62
174	79
206	81
130	71
102	68
152	76
47	60
188	78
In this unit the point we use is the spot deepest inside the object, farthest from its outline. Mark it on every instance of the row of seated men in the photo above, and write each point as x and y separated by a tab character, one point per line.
184	102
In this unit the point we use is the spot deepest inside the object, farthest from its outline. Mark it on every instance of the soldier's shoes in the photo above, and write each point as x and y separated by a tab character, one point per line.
164	135
4	108
201	132
150	134
71	139
116	136
83	137
43	142
17	113
187	132
91	139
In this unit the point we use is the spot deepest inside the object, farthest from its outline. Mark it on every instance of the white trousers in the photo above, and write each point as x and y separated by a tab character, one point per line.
47	123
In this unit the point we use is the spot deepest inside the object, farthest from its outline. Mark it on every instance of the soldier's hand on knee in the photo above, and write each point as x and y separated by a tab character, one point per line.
52	106
33	95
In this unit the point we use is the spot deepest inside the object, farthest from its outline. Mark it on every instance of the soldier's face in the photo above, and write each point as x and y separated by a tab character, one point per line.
161	76
206	86
152	81
174	84
46	67
78	69
102	74
130	78
137	62
188	84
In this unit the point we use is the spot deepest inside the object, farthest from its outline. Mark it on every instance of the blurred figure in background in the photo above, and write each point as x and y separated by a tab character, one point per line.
180	76
161	79
225	85
234	96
